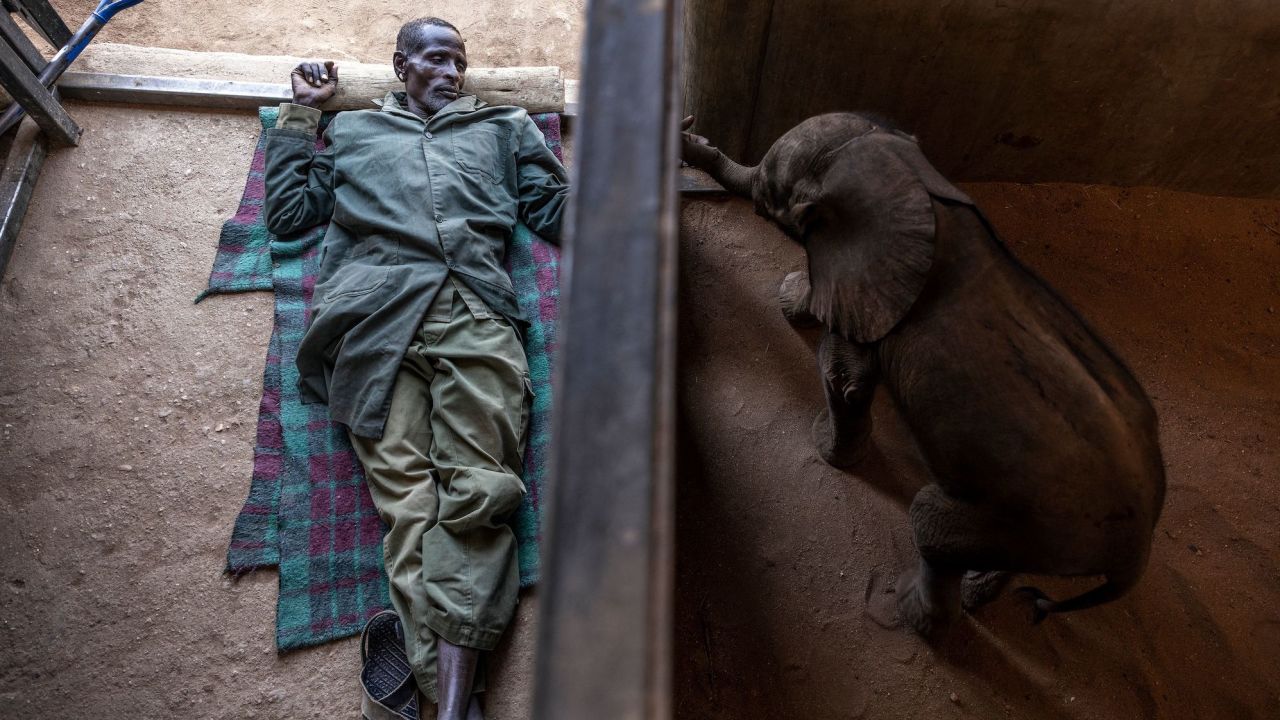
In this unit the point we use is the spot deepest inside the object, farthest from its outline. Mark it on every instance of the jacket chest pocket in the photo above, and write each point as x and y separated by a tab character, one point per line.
481	151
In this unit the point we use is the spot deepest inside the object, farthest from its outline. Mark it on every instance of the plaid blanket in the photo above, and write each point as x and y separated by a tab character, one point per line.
308	510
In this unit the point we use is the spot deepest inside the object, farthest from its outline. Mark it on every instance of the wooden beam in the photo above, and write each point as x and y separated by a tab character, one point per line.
22	166
604	647
213	75
724	47
36	99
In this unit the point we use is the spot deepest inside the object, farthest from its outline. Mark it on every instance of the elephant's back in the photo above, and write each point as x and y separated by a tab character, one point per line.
1013	396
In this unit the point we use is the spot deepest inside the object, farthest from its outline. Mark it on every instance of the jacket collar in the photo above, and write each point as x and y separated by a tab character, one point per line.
395	102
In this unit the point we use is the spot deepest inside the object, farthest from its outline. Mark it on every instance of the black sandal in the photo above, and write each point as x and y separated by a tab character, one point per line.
386	675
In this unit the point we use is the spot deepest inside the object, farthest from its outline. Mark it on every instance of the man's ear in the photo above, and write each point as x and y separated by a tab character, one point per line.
398	59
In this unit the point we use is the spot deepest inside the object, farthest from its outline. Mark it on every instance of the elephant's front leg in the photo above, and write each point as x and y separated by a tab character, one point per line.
793	297
842	431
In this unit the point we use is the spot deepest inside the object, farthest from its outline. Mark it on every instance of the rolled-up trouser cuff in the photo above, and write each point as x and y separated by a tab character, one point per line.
464	635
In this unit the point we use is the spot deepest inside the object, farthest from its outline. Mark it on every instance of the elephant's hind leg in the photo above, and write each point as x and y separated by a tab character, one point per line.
979	588
929	599
953	537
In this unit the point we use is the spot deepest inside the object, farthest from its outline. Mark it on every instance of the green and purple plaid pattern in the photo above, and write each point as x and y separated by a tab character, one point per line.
308	510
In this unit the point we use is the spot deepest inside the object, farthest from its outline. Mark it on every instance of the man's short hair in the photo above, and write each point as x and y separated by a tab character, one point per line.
409	40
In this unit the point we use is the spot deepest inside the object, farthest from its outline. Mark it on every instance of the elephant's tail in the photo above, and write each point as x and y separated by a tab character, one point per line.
1116	585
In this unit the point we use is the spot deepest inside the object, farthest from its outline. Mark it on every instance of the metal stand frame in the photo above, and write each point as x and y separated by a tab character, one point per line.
21	65
24	151
605	630
42	18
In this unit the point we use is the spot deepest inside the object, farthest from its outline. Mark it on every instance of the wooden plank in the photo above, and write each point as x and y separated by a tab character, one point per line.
36	99
23	162
537	89
724	46
604	646
45	20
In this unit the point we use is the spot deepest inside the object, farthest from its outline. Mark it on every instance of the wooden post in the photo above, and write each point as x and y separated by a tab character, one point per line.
604	650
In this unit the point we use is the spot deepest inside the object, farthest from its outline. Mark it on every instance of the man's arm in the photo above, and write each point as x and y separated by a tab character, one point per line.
299	181
542	183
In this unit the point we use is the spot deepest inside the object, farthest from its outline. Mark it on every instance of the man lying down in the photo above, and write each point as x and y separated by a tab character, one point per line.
414	340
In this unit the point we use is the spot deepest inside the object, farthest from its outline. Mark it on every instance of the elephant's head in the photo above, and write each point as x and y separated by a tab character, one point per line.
857	195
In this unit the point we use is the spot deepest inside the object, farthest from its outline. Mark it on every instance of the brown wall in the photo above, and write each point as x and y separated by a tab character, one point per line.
1182	94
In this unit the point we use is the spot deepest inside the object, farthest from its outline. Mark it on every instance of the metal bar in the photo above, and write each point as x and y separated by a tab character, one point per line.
605	628
570	98
188	92
19	41
156	90
45	20
17	181
696	182
31	95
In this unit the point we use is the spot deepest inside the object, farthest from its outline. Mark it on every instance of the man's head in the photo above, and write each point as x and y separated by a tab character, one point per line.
431	59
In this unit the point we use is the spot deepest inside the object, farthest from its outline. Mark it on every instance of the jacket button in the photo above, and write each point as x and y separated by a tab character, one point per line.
429	135
439	217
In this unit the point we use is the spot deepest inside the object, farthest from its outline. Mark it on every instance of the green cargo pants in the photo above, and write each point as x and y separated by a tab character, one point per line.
445	477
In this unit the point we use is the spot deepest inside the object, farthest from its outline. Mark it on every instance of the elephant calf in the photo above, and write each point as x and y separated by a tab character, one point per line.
1041	444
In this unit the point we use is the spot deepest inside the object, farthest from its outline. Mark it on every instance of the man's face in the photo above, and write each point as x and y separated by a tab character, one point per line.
434	73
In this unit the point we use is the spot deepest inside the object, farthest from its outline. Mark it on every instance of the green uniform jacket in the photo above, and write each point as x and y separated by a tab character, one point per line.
409	202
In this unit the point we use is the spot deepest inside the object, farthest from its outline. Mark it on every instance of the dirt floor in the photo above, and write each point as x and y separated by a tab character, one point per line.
786	566
127	414
118	490
498	34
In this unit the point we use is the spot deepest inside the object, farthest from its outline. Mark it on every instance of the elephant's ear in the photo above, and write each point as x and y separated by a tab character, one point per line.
869	238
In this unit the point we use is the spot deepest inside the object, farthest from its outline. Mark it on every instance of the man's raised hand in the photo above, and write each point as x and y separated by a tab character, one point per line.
314	83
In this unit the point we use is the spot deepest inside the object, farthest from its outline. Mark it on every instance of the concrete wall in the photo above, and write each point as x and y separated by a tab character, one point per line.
1182	94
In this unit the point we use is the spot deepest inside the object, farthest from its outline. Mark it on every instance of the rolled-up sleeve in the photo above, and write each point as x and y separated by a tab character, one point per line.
298	180
542	183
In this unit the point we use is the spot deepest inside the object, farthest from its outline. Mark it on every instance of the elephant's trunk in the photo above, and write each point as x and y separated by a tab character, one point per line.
735	178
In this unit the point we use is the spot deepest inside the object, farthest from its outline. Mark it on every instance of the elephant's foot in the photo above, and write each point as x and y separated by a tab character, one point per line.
793	296
837	451
925	605
979	588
